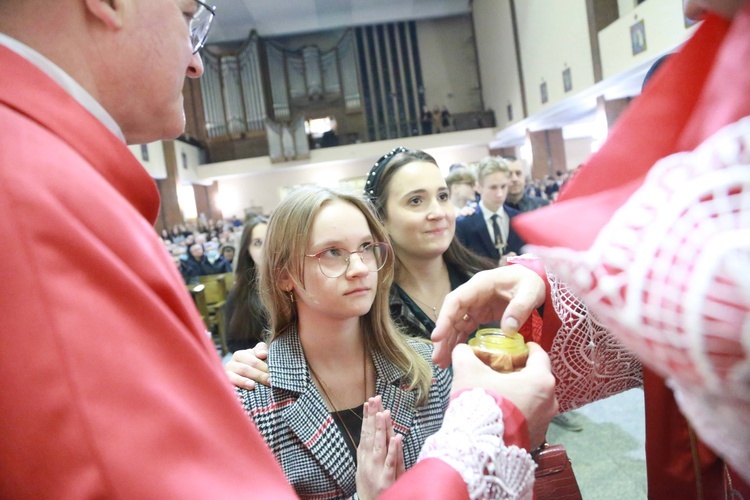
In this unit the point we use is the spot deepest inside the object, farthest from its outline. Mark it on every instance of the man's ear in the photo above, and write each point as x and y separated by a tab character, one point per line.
109	12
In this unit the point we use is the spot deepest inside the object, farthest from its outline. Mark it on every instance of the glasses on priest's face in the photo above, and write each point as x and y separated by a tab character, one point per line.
334	262
200	23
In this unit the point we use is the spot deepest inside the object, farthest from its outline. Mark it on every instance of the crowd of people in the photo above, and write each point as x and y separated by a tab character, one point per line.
131	400
202	247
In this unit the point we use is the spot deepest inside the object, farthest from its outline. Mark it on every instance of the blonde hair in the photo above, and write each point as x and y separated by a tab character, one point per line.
460	175
284	256
491	165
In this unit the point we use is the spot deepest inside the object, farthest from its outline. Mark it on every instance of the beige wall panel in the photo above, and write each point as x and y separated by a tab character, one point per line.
625	6
449	64
664	25
155	165
497	59
551	36
188	159
577	151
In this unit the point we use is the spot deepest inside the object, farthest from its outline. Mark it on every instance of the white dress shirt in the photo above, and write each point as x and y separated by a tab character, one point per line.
502	220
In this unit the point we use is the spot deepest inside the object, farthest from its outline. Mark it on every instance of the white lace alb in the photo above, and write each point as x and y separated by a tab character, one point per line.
670	275
471	441
589	363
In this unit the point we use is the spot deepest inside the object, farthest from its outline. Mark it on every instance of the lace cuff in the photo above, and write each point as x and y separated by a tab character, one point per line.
471	441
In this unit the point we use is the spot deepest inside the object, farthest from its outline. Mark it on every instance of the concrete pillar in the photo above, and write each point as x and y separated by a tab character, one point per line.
613	108
206	200
506	151
169	208
548	151
601	13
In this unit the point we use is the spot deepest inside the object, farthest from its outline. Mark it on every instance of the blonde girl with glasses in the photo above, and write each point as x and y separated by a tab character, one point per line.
327	270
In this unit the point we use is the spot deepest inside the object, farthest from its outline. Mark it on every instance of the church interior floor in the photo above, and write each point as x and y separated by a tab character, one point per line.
608	453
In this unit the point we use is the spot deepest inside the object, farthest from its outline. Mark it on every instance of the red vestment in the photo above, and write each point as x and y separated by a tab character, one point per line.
111	386
697	92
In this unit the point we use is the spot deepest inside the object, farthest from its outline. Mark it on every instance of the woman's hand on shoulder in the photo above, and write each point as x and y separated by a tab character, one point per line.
465	211
248	367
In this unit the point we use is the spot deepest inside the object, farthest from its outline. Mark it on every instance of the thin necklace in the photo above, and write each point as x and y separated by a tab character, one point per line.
435	310
330	400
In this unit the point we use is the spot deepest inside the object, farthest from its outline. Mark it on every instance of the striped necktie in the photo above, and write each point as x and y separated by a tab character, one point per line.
496	229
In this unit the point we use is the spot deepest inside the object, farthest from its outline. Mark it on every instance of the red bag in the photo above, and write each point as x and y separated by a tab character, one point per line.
554	474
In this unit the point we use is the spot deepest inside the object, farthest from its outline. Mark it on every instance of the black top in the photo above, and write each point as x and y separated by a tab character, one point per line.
409	316
244	335
351	420
527	203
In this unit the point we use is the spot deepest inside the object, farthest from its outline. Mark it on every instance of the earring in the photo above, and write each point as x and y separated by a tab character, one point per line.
291	295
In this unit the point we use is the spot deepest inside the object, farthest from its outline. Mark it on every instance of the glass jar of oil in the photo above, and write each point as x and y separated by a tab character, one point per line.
500	351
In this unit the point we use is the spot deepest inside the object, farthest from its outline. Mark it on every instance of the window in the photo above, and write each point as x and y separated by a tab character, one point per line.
319	126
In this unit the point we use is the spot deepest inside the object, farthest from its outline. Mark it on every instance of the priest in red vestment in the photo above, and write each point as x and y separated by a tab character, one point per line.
657	246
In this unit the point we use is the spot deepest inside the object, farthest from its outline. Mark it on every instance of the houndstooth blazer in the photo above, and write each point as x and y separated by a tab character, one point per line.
293	418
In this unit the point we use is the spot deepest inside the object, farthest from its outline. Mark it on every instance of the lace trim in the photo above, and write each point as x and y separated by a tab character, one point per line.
669	273
588	361
470	440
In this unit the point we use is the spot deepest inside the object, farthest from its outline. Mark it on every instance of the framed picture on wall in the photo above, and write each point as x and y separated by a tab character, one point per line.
567	80
638	37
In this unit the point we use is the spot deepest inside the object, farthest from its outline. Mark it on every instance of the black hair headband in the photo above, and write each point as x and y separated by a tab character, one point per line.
376	172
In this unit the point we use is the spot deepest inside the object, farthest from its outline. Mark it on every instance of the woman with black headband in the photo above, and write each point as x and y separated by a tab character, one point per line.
412	199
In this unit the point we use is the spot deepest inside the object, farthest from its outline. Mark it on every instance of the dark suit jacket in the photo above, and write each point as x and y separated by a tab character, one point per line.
293	418
472	231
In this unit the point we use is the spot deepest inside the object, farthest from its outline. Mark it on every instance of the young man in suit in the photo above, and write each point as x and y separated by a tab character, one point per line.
487	231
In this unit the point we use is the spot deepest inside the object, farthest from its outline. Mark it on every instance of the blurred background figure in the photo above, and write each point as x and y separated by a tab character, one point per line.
227	251
518	198
461	183
436	120
426	120
245	316
446	120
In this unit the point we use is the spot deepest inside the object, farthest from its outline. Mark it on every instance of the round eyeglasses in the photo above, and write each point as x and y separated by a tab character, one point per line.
200	24
334	262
